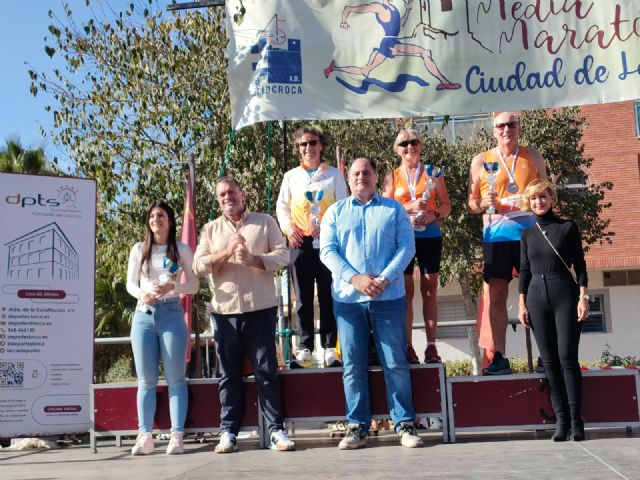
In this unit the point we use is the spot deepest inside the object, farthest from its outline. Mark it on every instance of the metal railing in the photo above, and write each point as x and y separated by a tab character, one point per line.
469	324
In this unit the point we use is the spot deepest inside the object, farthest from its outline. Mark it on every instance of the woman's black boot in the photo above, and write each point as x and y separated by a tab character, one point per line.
577	430
562	432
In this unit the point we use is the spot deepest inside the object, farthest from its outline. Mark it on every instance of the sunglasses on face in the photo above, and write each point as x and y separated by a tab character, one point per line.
501	126
406	143
311	143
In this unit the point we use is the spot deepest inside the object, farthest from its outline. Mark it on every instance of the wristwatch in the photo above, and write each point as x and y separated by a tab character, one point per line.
586	297
383	280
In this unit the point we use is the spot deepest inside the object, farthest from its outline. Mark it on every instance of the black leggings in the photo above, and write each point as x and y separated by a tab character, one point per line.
309	270
552	301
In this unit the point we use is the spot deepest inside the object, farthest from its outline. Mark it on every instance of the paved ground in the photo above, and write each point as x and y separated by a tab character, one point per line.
612	454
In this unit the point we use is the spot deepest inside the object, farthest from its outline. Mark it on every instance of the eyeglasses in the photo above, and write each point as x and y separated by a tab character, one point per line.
311	143
412	142
511	125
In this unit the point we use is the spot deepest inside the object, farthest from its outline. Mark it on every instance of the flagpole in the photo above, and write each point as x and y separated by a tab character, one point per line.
197	365
285	166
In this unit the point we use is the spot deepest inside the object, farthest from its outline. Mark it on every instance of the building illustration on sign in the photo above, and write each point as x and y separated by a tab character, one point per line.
42	254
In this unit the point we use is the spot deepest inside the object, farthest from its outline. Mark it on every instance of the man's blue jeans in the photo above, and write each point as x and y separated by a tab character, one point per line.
386	320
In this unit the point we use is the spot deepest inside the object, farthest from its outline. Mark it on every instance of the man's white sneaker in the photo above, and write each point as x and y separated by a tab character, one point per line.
144	444
280	441
436	423
408	436
331	358
355	438
227	443
176	444
303	359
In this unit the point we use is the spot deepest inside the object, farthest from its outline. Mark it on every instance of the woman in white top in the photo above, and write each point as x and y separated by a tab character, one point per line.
305	194
158	328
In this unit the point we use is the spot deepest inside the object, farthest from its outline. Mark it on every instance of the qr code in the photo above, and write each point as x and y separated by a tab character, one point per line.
11	374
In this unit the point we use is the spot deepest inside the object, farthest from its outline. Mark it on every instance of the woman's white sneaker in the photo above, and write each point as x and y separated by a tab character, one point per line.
176	444
331	358
144	444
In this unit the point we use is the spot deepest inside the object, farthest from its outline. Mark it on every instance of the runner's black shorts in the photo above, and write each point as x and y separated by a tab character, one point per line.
500	258
428	254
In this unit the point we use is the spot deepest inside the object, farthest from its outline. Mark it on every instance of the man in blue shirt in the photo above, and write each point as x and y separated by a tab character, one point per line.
367	241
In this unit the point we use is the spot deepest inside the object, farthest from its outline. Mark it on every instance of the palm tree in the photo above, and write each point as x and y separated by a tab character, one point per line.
18	159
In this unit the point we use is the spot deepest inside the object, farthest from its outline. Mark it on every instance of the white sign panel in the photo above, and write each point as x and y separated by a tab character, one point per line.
318	59
47	286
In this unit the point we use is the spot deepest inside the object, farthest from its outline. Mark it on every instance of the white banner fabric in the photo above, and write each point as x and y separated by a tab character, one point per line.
326	59
47	291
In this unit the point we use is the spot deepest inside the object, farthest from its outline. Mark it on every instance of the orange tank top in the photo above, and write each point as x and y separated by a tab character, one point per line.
524	173
402	193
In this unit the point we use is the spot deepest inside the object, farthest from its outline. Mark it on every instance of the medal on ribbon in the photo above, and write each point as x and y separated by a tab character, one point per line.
512	186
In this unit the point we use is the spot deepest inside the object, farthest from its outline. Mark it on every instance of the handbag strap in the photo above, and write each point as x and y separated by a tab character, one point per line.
556	252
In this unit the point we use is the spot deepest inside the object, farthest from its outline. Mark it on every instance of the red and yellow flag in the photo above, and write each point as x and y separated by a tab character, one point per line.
188	236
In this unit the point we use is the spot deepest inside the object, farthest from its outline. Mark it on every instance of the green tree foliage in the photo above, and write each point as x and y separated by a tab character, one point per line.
14	157
143	91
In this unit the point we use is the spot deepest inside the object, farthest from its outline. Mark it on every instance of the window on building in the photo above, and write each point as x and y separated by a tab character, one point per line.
463	127
577	180
616	278
637	110
596	322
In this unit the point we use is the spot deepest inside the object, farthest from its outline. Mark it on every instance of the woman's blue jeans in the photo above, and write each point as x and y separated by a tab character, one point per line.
386	320
162	334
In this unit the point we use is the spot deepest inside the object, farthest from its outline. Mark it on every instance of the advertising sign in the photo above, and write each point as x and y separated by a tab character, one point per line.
47	263
314	59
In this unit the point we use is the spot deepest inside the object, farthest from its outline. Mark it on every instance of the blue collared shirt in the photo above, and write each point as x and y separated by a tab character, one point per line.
375	239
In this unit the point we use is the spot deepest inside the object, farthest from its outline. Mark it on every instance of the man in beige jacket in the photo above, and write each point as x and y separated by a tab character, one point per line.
239	251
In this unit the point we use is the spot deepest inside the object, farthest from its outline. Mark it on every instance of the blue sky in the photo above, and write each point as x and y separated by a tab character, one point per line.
23	27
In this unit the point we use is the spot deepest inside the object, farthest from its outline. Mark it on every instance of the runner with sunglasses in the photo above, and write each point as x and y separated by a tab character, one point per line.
516	167
305	194
426	207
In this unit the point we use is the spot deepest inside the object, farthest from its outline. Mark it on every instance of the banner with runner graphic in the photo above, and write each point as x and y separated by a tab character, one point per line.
315	59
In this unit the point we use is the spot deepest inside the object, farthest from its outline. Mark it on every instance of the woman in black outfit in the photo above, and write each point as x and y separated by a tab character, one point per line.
553	303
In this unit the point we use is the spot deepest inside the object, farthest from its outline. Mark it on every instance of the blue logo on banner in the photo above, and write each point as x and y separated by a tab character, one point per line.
278	64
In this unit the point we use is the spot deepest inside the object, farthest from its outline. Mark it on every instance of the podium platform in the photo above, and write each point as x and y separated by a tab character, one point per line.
317	394
522	401
465	404
307	394
114	413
